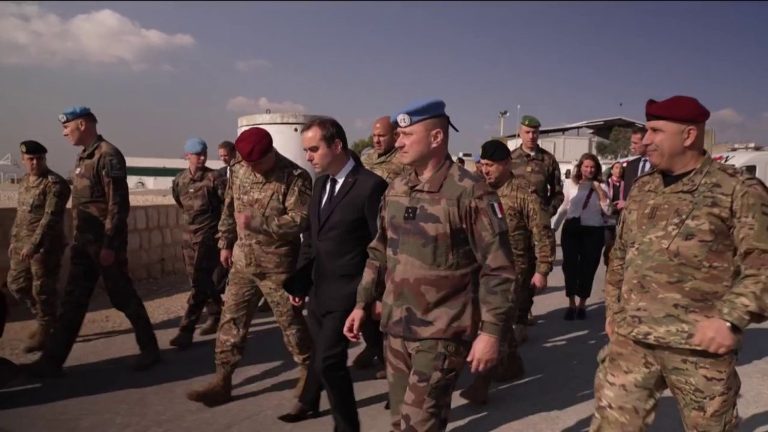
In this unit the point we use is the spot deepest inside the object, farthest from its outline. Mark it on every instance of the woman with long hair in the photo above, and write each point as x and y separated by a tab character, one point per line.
585	206
618	196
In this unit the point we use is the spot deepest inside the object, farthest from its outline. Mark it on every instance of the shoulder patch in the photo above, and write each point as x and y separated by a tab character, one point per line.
114	167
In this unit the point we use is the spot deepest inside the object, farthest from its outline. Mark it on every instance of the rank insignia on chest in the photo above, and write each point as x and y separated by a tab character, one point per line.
410	213
496	209
652	213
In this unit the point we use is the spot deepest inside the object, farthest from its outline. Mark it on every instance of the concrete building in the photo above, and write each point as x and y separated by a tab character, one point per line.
157	173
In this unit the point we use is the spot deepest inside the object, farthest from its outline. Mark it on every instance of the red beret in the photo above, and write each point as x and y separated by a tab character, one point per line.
680	109
253	144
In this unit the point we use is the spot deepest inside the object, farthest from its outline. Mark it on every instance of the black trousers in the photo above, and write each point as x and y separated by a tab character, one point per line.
328	369
582	247
84	272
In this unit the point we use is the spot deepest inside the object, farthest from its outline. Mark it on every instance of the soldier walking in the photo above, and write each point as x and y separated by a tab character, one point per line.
199	193
531	238
100	207
441	265
38	241
265	212
686	277
540	169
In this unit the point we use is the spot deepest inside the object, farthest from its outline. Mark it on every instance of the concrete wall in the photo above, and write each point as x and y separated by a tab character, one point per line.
154	242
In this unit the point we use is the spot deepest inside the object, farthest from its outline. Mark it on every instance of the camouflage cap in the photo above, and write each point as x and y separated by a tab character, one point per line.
530	121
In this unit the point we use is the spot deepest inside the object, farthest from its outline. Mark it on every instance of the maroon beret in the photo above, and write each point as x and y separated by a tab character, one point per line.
253	144
680	109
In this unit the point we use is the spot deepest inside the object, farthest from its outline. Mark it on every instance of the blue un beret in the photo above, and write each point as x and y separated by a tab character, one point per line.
421	111
75	112
195	146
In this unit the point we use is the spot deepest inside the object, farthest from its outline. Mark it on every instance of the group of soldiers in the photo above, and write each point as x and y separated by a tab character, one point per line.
452	272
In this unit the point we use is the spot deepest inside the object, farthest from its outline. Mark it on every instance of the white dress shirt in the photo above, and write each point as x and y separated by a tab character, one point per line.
573	203
340	176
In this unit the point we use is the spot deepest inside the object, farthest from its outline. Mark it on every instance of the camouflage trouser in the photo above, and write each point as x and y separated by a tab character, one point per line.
631	377
245	288
422	376
34	282
84	272
525	293
201	259
509	357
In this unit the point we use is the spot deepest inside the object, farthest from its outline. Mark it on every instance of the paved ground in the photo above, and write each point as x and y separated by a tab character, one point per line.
100	393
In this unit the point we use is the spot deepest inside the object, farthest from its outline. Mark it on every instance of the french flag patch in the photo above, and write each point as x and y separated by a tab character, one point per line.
497	209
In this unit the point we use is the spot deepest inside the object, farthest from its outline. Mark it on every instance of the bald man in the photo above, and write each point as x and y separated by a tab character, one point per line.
382	160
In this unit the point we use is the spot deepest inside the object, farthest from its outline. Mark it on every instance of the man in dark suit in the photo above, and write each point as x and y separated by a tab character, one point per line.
639	165
343	217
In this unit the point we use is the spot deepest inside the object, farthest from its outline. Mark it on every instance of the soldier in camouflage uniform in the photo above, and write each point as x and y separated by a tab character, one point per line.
265	212
687	275
540	169
530	235
443	261
227	154
382	160
38	241
199	193
100	207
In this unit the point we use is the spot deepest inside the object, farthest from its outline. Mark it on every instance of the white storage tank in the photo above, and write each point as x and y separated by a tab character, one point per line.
285	129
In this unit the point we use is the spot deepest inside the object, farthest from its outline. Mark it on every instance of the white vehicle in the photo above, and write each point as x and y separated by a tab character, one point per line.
749	160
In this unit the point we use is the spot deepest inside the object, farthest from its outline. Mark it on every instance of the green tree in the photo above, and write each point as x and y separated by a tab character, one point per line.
617	145
362	144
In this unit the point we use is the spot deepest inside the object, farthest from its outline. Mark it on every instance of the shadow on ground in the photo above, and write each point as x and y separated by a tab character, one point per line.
114	374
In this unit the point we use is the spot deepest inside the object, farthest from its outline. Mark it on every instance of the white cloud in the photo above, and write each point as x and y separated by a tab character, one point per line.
29	35
243	104
727	116
252	65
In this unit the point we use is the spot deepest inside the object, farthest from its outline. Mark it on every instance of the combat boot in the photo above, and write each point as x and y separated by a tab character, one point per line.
42	368
38	338
521	333
8	371
302	380
210	327
217	392
182	340
509	368
477	392
145	360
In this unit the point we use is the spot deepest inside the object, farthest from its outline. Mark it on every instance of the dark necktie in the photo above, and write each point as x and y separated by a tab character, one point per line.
329	199
643	166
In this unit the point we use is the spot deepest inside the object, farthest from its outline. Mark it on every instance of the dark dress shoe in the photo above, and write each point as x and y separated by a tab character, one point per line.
570	314
299	413
581	314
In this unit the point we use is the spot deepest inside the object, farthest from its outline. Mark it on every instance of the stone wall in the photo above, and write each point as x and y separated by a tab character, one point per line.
154	242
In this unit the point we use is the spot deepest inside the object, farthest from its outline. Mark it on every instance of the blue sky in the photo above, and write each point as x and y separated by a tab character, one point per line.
158	73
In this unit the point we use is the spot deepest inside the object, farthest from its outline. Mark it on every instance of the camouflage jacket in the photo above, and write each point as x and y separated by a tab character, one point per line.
443	257
694	250
200	197
279	207
386	167
100	202
40	212
530	233
542	172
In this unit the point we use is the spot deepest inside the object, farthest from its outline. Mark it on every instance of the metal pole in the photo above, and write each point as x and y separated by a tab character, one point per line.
501	126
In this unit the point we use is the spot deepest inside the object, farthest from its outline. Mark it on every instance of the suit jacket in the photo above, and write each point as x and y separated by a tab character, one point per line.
630	173
335	247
